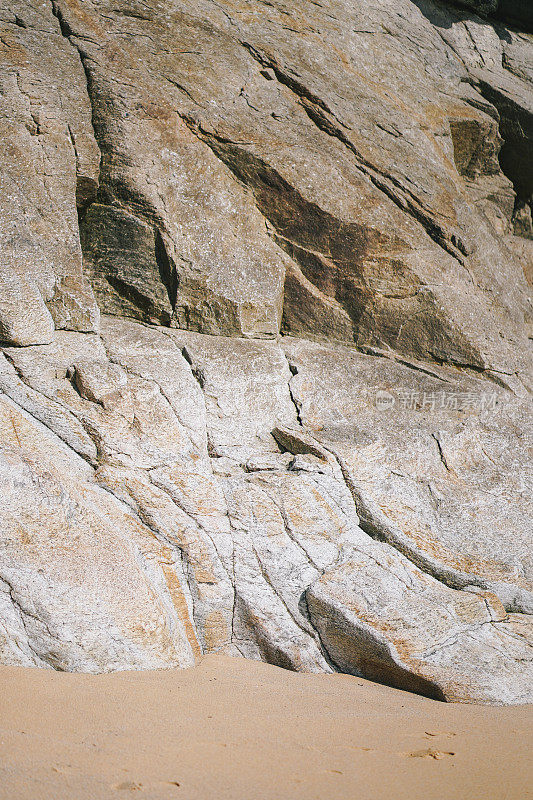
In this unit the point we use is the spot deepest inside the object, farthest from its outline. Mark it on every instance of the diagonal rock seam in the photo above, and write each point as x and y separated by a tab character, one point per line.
254	173
319	113
319	446
326	121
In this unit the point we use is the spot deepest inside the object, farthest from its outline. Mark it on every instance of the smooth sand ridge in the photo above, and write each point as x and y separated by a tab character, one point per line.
230	728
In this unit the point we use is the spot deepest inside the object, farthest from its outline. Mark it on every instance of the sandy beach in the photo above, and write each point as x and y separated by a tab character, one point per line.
230	728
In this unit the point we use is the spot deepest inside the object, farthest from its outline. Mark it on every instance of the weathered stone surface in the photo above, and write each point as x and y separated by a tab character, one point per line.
517	12
85	586
50	159
499	64
257	474
246	390
42	408
287	527
188	480
24	318
439	467
152	355
412	632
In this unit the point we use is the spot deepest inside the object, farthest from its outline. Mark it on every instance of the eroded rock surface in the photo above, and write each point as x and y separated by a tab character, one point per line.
314	169
236	490
50	164
301	430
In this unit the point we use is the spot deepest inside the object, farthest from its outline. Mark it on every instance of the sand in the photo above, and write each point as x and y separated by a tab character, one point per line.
230	728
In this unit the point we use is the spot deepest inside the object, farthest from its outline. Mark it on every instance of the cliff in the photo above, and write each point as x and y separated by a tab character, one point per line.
265	318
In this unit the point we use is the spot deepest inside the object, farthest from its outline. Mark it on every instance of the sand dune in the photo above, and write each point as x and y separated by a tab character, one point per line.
230	728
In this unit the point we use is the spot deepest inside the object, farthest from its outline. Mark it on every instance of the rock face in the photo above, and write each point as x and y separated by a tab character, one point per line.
50	163
301	430
515	12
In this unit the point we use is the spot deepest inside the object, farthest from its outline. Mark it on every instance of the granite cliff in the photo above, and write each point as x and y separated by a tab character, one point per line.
266	320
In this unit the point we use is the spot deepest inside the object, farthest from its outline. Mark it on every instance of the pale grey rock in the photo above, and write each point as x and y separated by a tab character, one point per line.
226	467
438	465
269	461
149	354
57	419
175	238
306	462
499	63
300	442
516	57
246	390
99	381
50	160
134	425
86	581
277	174
24	318
251	550
45	368
413	632
186	511
286	531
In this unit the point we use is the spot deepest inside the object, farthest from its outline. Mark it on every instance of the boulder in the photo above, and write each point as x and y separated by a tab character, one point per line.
414	633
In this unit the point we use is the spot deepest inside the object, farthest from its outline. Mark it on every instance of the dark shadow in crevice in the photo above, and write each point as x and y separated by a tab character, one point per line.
515	120
515	13
167	268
